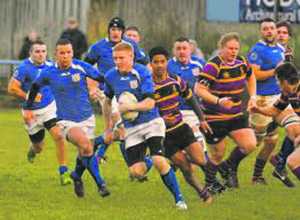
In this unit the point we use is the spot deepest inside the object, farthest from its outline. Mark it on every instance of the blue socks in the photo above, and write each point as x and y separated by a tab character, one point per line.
100	145
171	183
91	164
148	162
62	169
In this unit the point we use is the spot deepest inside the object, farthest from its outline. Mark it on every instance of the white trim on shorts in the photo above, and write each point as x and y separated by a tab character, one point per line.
88	126
41	116
140	133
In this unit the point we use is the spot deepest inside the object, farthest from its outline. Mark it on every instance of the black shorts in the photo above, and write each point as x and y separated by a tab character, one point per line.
137	153
222	128
178	139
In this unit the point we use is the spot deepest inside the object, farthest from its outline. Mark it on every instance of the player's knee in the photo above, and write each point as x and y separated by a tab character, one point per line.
271	139
85	146
217	157
137	171
293	162
58	137
260	133
249	146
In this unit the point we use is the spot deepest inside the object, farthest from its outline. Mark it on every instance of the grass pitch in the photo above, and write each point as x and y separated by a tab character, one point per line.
32	191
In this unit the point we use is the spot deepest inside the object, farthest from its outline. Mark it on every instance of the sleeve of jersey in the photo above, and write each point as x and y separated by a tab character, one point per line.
19	74
281	103
254	57
147	85
108	91
140	56
209	74
91	56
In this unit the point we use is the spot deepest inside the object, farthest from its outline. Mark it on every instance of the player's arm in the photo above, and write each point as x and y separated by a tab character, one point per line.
251	86
186	93
262	74
273	110
14	88
201	88
107	113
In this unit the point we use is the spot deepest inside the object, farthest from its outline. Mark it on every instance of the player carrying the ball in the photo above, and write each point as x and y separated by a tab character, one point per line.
148	129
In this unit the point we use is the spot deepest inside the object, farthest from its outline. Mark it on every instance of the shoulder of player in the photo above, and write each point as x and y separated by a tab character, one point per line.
111	74
100	43
215	62
197	62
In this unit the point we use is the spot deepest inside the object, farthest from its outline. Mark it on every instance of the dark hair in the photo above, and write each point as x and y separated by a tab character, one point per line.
116	22
287	25
37	42
288	72
158	51
132	28
63	41
182	39
267	20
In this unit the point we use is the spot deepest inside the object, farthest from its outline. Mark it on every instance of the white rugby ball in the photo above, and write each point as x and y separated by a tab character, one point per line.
127	97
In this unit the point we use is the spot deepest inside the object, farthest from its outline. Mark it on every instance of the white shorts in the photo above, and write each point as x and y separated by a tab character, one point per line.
257	119
88	126
140	133
192	120
41	116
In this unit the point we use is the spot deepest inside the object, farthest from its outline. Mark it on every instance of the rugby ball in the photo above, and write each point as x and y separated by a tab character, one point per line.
127	97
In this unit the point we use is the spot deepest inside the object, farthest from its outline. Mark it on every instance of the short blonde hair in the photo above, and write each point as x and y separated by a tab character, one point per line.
228	37
123	46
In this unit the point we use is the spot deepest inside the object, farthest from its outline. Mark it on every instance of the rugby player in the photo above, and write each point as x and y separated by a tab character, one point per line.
289	78
148	129
264	57
44	107
100	53
179	135
221	85
67	80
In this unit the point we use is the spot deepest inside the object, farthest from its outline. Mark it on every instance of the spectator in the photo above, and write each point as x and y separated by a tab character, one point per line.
76	36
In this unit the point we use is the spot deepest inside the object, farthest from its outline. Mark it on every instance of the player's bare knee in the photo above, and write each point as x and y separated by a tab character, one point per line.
271	139
292	162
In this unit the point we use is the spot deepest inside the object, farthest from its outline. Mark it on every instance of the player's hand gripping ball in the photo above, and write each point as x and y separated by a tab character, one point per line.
127	98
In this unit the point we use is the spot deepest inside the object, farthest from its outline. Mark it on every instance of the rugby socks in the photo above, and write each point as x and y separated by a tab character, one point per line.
287	148
297	172
62	169
100	145
259	167
233	161
171	183
210	170
91	163
79	168
148	162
